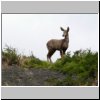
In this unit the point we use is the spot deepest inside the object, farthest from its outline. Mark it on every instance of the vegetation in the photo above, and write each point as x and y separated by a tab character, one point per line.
79	69
10	56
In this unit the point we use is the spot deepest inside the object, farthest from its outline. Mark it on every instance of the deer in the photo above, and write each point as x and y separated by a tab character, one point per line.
58	44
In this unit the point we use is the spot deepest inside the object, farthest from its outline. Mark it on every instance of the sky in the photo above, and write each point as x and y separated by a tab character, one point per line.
30	32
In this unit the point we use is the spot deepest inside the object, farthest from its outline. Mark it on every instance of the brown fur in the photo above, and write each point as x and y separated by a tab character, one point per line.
60	45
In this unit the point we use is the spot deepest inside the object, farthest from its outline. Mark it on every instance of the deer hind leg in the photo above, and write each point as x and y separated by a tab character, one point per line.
48	57
50	53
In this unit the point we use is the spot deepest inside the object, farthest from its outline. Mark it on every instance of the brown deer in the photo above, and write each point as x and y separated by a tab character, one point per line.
60	45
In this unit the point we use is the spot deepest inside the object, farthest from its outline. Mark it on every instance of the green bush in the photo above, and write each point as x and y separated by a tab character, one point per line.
10	56
81	68
83	65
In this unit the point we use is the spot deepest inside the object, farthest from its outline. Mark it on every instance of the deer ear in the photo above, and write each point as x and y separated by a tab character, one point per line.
67	29
61	29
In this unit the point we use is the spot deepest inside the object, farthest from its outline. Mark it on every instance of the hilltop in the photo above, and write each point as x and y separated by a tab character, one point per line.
79	69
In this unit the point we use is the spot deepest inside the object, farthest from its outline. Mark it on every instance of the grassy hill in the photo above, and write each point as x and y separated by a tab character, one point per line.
79	69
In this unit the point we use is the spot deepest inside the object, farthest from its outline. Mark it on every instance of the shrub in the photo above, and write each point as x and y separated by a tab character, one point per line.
81	68
83	65
10	56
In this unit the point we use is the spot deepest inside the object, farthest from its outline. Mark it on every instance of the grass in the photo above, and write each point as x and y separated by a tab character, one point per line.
81	68
10	56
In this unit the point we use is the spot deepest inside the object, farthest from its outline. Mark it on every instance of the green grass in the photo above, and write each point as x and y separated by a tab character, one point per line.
81	68
10	56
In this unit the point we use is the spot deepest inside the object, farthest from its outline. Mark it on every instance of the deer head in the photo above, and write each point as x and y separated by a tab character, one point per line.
65	32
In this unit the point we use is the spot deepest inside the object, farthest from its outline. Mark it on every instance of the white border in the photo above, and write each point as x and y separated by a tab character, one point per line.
0	50
98	49
67	86
50	86
50	0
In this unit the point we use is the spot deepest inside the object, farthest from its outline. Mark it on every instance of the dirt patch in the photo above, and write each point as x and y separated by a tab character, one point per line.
17	76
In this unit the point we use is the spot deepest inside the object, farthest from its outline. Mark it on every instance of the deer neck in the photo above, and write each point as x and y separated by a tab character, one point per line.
67	39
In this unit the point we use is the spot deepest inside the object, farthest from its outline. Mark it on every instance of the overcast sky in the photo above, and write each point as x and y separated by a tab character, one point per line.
30	32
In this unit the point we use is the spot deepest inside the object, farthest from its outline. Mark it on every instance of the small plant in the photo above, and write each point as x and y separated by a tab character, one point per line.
10	56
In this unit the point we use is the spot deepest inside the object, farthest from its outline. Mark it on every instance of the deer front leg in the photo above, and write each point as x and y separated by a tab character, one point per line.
61	53
64	51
